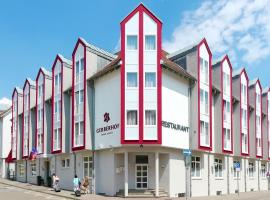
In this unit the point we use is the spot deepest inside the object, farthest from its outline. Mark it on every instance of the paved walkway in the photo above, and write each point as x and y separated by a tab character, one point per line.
264	195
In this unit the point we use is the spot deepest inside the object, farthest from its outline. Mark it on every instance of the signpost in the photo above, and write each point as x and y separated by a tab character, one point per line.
187	156
237	168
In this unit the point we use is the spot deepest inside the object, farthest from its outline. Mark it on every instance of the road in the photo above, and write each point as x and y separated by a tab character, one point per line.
14	193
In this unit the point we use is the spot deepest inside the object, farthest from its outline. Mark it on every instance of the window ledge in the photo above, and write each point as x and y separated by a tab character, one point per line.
196	178
219	178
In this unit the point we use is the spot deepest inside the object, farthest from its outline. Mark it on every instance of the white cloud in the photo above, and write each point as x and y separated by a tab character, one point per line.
239	28
5	103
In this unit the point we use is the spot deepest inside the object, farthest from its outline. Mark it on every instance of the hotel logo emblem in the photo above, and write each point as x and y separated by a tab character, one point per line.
106	117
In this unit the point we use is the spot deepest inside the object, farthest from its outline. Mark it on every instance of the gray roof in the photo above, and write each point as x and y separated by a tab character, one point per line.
65	60
31	82
19	90
184	50
237	72
252	82
265	90
46	72
102	51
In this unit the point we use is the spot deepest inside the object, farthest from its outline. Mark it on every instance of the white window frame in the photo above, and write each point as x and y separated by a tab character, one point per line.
227	132
88	160
251	170
204	134
155	37
57	139
80	135
137	42
204	71
204	105
244	144
150	125
150	87
196	165
137	80
218	168
65	163
132	125
33	167
21	170
227	111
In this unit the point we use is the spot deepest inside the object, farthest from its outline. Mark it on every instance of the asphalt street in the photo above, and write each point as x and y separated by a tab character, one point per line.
14	193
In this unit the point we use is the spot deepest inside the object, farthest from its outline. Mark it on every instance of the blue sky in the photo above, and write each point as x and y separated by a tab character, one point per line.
33	32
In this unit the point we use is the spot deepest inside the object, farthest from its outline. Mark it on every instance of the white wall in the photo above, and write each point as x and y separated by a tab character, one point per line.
107	100
175	109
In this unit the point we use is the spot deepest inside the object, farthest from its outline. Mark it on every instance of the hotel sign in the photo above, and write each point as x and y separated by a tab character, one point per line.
107	130
177	127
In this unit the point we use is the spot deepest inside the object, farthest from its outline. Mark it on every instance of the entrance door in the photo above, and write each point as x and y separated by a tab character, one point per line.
141	176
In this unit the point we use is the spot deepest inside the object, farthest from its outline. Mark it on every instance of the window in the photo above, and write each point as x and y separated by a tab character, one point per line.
79	133
258	100
57	139
150	117
87	166
40	90
263	170
21	169
244	143
218	168
251	170
204	101
57	82
132	117
57	110
132	80
234	169
204	70
244	118
79	99
65	163
204	133
79	70
150	79
195	166
226	83
132	42
259	148
150	42
258	124
227	139
226	111
244	93
33	168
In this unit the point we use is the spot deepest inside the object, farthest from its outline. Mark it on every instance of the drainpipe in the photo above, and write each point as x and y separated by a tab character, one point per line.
259	182
26	171
208	176
92	121
74	155
190	133
245	172
55	160
228	176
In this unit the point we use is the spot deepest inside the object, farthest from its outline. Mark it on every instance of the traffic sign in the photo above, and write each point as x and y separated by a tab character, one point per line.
187	152
237	166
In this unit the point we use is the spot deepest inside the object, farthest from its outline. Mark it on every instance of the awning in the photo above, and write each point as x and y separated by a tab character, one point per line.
9	158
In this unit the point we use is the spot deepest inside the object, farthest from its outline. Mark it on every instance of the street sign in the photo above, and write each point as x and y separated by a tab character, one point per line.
187	152
237	166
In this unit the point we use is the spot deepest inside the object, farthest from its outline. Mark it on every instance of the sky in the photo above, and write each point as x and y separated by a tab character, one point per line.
33	32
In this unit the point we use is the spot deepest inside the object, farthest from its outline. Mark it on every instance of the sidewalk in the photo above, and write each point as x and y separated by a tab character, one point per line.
263	195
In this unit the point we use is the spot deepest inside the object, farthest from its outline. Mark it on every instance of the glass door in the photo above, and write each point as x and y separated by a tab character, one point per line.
141	176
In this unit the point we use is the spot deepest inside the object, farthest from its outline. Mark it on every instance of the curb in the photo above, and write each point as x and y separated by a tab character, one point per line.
44	192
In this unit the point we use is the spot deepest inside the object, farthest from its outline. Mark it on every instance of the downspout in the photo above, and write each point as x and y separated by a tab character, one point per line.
92	121
259	182
245	172
26	171
191	85
228	175
208	176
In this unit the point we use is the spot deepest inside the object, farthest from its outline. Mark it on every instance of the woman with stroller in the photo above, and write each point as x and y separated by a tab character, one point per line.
55	184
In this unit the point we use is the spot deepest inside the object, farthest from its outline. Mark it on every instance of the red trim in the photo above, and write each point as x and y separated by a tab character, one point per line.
73	94
141	9
15	91
268	124
258	156
210	95
141	78
44	78
248	115
26	83
226	58
58	58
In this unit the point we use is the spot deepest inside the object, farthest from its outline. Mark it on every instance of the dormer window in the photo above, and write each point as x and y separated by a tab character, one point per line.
132	42
204	70
150	42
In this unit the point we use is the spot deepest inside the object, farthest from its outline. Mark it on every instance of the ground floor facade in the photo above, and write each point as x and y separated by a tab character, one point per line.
162	171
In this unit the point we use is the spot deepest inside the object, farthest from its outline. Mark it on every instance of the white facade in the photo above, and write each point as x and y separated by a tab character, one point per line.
124	120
